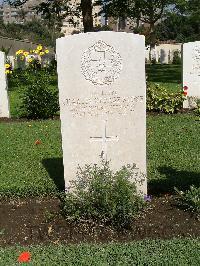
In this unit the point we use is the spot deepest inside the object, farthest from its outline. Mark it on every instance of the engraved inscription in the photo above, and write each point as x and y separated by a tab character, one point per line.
196	61
101	64
96	106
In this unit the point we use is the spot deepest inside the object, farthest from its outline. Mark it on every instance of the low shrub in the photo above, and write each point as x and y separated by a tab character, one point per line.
190	199
104	196
197	109
161	100
40	100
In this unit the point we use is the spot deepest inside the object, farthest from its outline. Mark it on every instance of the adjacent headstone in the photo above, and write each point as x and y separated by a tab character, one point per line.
101	78
191	73
4	102
164	56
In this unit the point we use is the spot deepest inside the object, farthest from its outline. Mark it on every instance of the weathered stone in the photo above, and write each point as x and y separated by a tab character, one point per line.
4	101
102	93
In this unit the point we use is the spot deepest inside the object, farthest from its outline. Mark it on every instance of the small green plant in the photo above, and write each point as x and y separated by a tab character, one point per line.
49	216
190	199
104	196
161	100
40	101
197	109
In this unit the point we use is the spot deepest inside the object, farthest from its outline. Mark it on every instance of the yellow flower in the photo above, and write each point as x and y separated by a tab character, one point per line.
19	52
22	58
36	51
31	51
30	60
7	65
26	54
39	47
7	71
41	53
46	51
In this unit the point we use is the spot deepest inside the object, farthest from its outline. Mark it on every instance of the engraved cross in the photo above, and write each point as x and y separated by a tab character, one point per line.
104	139
101	60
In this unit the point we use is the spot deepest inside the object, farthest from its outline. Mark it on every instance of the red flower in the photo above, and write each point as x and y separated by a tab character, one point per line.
24	257
38	141
185	88
185	93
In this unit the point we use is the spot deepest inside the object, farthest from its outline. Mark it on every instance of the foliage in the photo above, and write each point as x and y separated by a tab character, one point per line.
178	27
177	58
190	199
160	100
145	11
39	100
197	109
102	195
54	11
35	31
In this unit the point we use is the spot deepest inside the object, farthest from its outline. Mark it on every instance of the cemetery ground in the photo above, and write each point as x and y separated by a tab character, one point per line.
31	176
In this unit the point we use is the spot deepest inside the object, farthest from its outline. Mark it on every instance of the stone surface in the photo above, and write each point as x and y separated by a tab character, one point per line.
191	73
102	91
4	101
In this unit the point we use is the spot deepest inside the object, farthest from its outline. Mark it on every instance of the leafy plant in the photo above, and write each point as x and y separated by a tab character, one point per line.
102	195
190	199
197	109
39	99
161	100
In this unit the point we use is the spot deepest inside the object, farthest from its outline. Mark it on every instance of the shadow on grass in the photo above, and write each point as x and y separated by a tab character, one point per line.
164	73
173	178
54	167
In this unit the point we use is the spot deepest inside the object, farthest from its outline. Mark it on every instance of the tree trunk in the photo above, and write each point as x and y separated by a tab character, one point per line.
86	7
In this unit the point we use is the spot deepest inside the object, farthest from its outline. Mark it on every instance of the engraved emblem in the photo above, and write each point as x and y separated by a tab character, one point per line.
101	64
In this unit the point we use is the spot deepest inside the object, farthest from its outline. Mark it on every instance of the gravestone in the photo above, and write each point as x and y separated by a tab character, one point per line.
102	94
164	56
4	102
191	73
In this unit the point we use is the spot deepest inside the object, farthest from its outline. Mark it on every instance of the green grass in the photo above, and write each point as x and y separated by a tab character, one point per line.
168	76
173	145
26	168
150	252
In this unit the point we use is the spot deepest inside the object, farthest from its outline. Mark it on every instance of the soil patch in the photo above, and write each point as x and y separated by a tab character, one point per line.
38	221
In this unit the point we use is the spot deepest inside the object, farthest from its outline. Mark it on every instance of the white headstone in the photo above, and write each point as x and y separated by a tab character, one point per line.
191	73
164	56
102	91
4	102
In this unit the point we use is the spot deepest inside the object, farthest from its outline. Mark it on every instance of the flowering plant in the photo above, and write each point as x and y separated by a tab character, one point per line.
8	68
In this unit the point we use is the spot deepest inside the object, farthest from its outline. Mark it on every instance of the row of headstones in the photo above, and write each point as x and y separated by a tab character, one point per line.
163	53
102	94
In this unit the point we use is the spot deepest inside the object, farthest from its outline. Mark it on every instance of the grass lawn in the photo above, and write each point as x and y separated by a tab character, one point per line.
147	252
167	75
28	169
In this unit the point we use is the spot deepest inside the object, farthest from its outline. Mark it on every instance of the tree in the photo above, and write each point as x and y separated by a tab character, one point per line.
181	23
146	11
56	10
